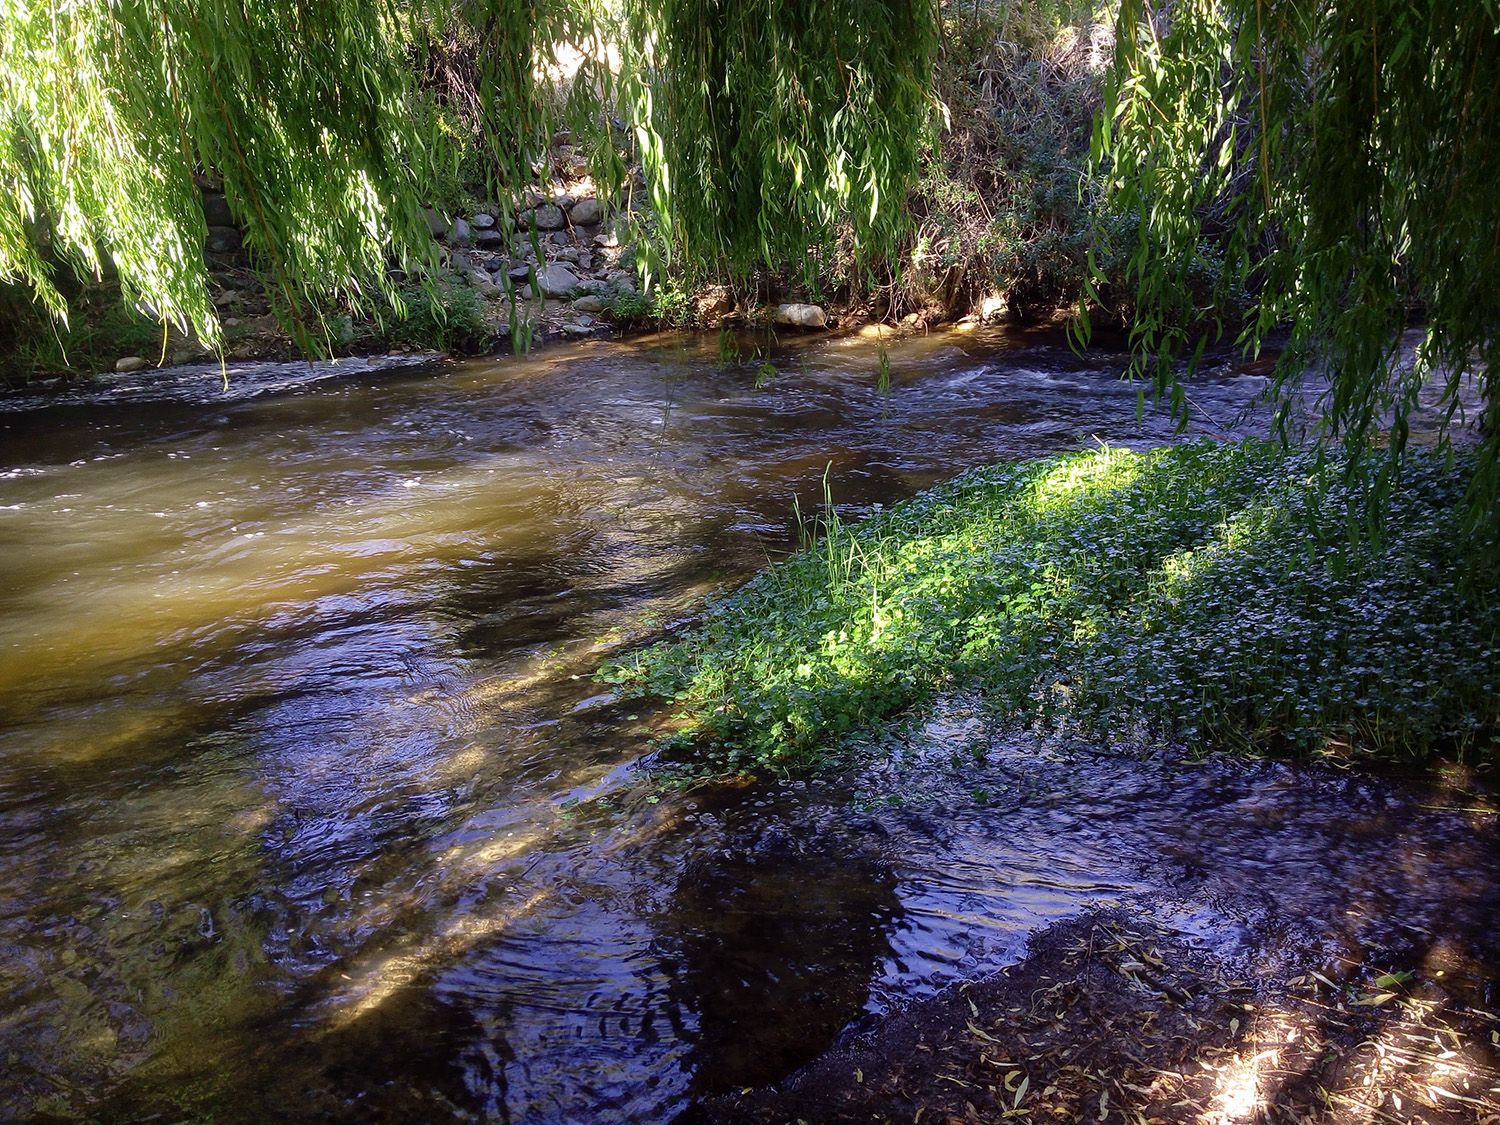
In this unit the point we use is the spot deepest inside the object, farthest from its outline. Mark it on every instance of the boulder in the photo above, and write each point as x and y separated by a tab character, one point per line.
713	304
802	316
483	283
459	233
482	221
589	303
557	280
549	217
126	364
586	212
437	226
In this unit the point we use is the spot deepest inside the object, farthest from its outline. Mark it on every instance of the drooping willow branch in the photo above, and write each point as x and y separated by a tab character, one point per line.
762	126
1345	156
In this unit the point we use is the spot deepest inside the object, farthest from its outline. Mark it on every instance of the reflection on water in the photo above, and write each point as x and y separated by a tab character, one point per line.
308	804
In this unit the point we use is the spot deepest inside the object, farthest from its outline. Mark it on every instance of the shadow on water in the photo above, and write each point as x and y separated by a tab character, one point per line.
775	936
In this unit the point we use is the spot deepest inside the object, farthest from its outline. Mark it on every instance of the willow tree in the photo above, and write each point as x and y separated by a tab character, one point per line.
761	125
1345	154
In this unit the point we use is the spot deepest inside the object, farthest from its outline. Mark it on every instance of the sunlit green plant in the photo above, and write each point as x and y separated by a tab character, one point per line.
1208	593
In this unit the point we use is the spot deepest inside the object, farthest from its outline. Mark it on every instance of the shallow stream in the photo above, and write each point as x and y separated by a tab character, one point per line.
309	806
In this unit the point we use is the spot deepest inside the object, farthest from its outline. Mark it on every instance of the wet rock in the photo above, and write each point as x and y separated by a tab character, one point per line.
557	280
589	303
586	212
802	316
549	217
127	364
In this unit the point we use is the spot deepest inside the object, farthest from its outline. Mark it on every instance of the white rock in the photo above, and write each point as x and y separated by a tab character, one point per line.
126	364
803	316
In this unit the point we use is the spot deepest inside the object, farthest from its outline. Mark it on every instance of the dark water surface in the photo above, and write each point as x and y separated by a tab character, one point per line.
310	808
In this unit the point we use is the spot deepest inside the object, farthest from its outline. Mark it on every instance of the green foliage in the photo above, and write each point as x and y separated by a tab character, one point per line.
667	304
109	111
330	123
1206	592
765	127
442	317
32	343
1344	156
1005	203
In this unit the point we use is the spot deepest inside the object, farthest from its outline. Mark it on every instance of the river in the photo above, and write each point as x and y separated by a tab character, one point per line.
310	808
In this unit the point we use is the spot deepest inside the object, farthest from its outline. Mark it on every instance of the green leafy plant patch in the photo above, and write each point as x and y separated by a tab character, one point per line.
1221	595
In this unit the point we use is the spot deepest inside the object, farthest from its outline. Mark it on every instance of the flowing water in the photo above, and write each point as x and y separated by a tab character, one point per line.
309	806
